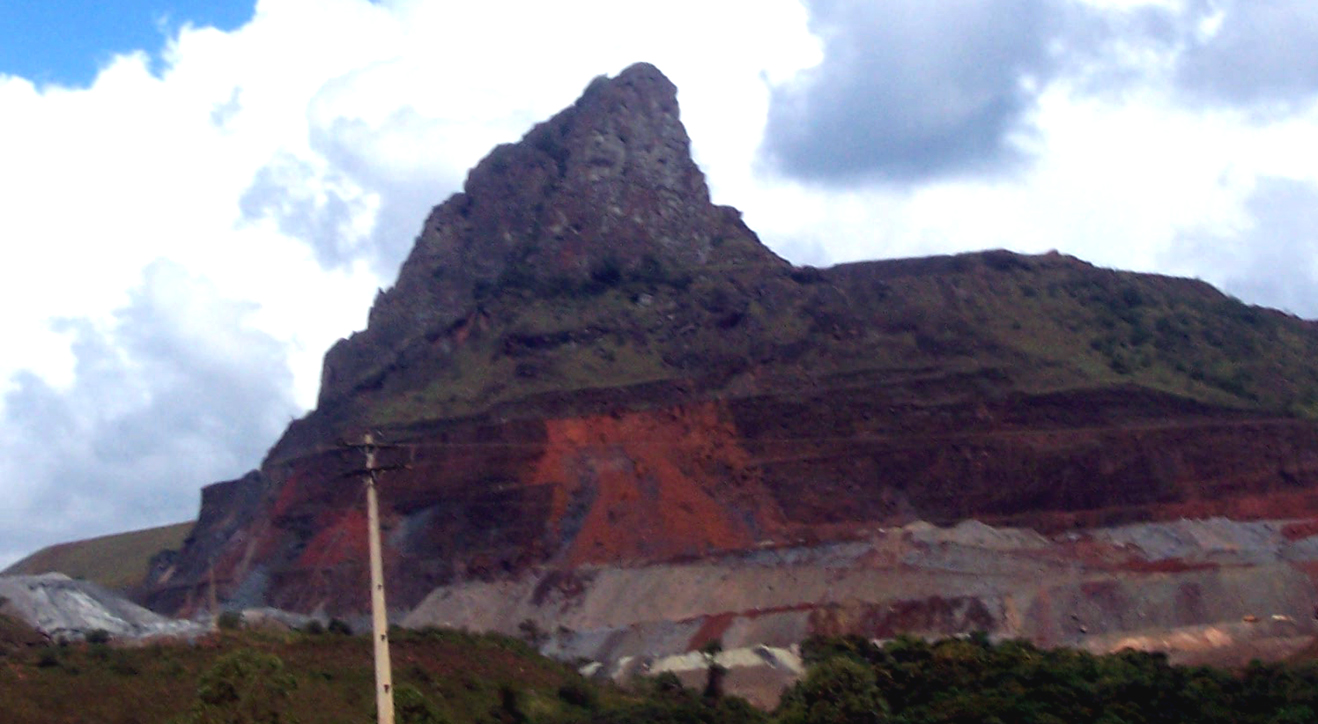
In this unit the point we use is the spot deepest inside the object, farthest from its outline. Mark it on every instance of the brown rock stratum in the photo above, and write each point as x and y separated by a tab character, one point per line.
588	370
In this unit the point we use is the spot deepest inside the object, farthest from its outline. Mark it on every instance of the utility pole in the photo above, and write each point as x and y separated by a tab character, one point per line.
384	689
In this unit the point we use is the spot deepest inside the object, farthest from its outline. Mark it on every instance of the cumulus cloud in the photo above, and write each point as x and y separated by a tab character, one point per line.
363	191
909	90
323	206
177	391
915	92
1273	261
388	139
1252	52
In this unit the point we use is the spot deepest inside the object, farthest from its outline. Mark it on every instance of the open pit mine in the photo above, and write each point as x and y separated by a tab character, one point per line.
616	419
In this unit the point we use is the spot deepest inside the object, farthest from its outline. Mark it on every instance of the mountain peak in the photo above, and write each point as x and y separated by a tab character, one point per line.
605	187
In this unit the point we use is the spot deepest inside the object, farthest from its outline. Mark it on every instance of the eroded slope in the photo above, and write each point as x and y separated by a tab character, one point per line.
584	362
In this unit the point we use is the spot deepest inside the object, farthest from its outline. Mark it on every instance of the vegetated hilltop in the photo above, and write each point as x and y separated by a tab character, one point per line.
118	562
586	363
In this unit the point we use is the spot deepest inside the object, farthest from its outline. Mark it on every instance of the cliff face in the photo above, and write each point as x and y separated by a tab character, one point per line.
585	363
605	190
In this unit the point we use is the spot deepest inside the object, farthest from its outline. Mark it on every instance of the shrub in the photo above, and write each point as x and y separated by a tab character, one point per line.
230	620
806	275
412	707
666	684
338	626
124	666
818	649
510	709
48	658
579	693
244	687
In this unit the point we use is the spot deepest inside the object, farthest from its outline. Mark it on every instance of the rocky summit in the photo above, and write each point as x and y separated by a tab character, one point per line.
614	413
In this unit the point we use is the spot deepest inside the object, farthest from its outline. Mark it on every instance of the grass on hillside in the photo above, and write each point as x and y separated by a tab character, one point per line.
560	345
117	562
440	676
1040	324
16	635
462	676
449	677
1052	323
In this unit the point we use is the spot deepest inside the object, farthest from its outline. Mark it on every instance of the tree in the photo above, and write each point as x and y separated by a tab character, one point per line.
838	691
715	672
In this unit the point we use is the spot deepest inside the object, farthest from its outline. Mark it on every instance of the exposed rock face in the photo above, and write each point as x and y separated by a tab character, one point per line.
589	371
604	189
1229	590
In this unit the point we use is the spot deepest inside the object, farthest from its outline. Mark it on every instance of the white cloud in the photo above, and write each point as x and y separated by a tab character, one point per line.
1271	258
176	390
1120	166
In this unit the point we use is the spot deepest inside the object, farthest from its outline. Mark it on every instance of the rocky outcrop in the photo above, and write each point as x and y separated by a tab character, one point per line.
596	386
604	190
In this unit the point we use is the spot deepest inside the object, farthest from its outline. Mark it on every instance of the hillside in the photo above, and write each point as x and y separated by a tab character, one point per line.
457	678
16	636
118	562
323	678
587	368
1023	324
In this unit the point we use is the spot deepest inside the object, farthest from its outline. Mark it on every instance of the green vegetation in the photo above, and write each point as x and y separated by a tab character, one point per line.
244	687
1042	324
451	677
117	562
554	343
838	690
229	620
440	677
1027	324
971	680
1053	323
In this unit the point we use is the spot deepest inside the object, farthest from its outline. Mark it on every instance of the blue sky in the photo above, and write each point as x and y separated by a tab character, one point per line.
66	41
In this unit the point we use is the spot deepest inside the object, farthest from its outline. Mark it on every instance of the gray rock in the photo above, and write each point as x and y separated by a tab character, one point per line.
67	609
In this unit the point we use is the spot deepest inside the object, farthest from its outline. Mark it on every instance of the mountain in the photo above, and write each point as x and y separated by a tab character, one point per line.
586	369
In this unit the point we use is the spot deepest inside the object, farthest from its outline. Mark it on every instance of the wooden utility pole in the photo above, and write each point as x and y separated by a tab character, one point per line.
384	689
